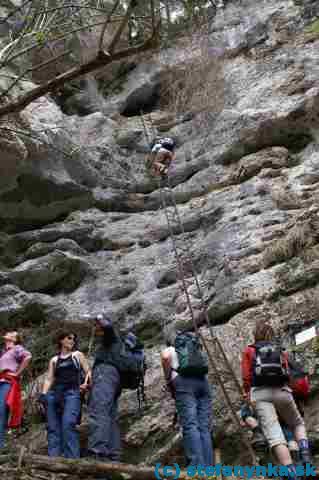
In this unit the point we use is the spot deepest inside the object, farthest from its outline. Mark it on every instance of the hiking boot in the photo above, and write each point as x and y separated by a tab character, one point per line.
305	455
295	456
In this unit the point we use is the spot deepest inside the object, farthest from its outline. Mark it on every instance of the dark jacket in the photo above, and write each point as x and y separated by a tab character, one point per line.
110	348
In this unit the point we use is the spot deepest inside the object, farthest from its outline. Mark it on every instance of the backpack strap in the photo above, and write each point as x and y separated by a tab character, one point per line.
55	360
75	360
77	364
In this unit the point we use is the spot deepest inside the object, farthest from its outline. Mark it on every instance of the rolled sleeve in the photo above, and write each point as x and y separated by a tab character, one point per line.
21	353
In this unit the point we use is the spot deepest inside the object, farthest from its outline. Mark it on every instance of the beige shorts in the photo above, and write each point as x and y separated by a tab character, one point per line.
272	403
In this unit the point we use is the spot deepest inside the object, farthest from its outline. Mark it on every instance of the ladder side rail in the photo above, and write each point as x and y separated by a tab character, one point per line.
210	358
201	297
179	264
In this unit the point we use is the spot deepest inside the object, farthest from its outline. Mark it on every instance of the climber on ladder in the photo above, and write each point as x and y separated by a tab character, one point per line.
161	155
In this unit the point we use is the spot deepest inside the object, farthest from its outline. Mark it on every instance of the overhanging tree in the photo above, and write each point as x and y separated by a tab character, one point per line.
52	29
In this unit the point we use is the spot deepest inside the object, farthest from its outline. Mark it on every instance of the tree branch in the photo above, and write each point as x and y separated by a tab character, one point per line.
54	39
38	139
31	69
108	18
17	9
101	60
122	25
84	468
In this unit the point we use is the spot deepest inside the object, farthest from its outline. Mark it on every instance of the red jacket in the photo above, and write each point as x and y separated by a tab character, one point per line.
14	400
247	363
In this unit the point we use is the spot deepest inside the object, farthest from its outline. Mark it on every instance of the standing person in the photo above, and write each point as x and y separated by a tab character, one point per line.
300	386
14	359
162	155
258	441
189	386
104	434
61	396
265	379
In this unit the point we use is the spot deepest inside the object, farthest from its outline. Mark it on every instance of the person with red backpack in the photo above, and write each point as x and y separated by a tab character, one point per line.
265	373
299	384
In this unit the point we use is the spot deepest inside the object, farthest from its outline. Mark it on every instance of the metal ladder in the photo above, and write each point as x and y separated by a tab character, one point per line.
222	370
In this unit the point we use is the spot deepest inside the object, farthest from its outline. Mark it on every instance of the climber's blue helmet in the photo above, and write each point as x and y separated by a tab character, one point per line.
167	143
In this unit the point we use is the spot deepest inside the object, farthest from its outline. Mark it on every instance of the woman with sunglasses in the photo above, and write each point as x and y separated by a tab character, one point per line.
61	395
14	358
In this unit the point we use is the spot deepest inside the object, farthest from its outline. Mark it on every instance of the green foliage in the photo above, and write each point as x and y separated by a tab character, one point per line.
40	342
40	36
313	27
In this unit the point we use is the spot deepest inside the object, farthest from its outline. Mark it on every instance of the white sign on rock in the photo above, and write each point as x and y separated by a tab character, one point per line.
305	335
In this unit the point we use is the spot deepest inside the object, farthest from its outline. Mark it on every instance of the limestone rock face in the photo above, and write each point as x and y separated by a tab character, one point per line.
44	274
37	185
19	308
85	232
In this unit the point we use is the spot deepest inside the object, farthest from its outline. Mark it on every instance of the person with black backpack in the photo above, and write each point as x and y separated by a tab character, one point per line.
119	363
300	386
185	368
68	376
265	373
161	155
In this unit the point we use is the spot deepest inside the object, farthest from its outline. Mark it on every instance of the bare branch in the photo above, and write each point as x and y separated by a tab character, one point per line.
121	27
153	14
54	39
36	67
17	9
108	18
42	29
38	139
24	33
70	5
101	60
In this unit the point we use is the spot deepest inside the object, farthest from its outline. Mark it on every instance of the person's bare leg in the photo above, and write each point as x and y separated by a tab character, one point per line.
282	454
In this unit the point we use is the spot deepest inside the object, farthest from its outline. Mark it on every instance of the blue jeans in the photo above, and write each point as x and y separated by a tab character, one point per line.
4	411
63	413
104	434
194	408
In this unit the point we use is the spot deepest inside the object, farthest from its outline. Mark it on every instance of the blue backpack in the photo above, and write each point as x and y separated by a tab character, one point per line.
192	359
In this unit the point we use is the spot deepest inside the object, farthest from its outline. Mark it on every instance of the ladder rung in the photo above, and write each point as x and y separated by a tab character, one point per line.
222	370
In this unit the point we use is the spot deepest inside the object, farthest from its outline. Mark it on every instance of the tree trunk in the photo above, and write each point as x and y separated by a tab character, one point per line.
83	468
